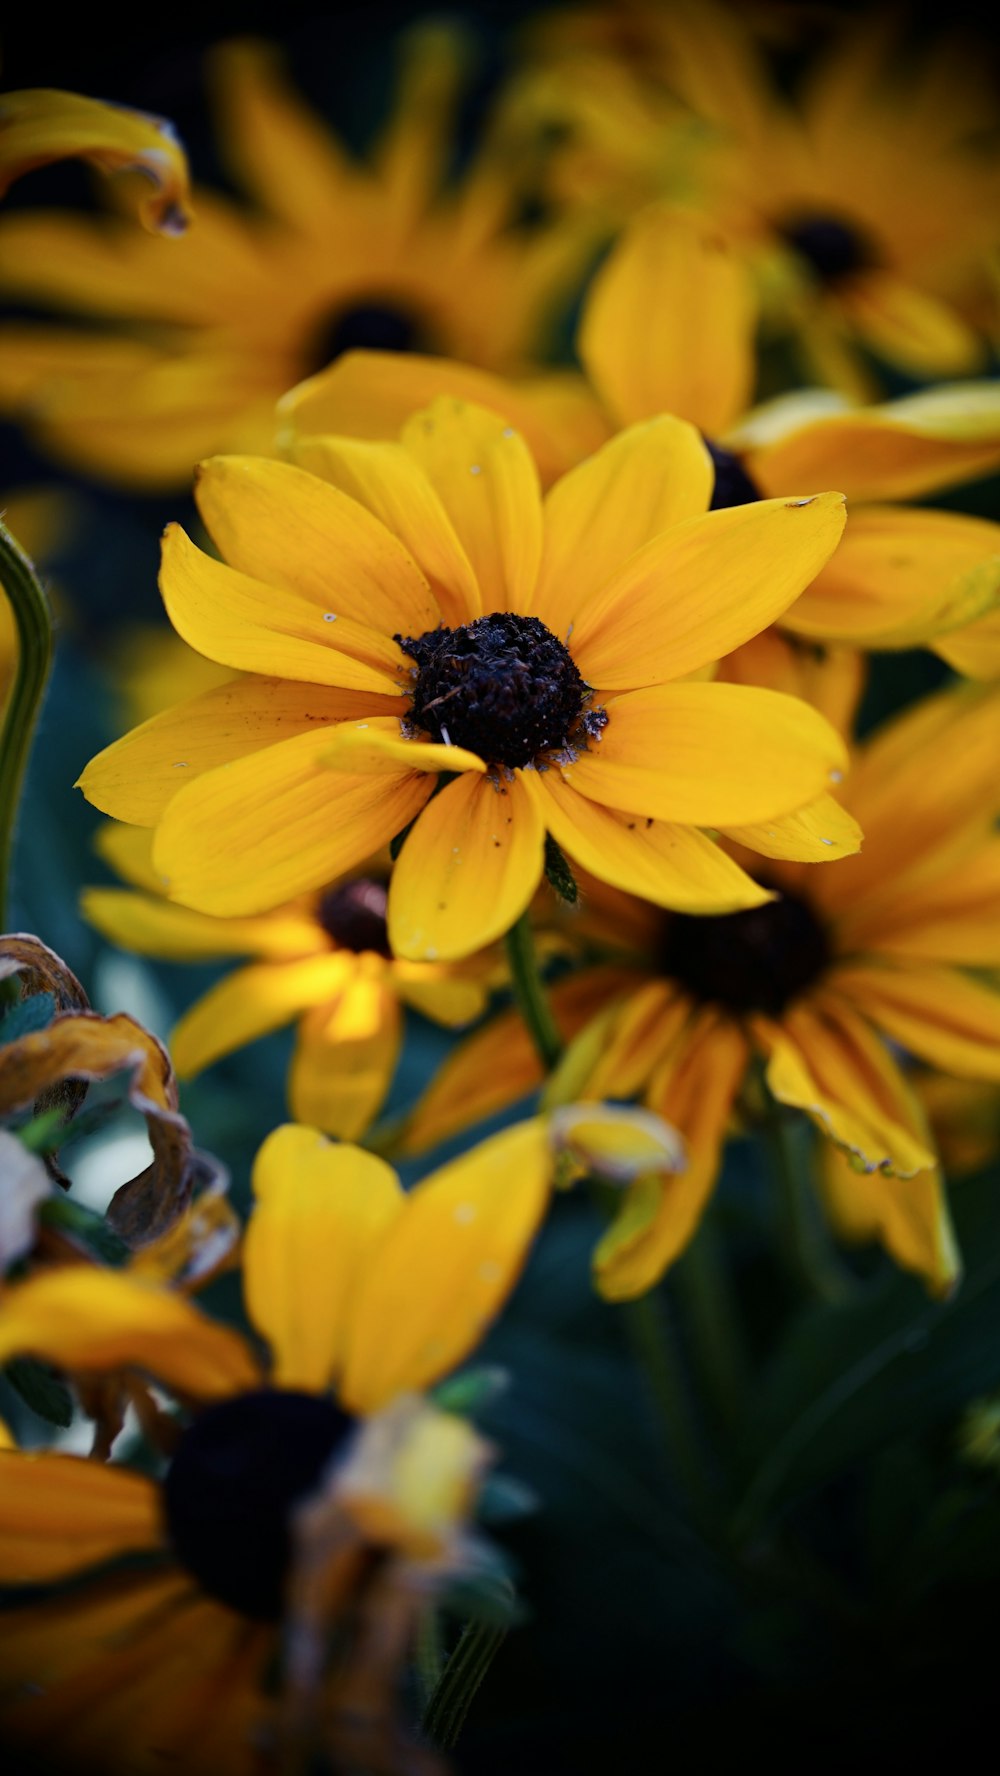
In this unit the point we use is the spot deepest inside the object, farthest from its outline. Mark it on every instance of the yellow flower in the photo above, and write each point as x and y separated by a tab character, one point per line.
532	652
667	328
202	337
40	126
824	982
283	1483
324	960
865	205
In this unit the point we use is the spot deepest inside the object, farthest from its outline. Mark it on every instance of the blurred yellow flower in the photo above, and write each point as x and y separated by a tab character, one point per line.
427	615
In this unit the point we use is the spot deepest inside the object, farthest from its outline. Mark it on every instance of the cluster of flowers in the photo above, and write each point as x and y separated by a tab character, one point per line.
516	671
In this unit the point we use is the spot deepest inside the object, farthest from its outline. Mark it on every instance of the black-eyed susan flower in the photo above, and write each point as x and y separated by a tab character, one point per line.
425	623
323	961
41	125
667	328
864	203
833	982
319	1488
200	337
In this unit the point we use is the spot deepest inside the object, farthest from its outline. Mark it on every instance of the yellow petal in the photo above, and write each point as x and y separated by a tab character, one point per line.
156	927
485	477
909	327
708	754
902	577
445	994
445	1267
908	1216
93	1320
660	1216
827	1061
136	777
40	125
674	866
279	524
819	833
943	1016
277	151
669	323
256	832
388	482
974	649
467	870
379	747
698	591
641	483
60	1514
251	1003
616	1141
246	624
321	1211
345	1057
945	916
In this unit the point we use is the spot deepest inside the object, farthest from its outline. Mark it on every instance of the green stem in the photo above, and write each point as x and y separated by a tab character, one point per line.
430	1653
444	1716
529	992
33	623
808	1256
655	1350
702	1285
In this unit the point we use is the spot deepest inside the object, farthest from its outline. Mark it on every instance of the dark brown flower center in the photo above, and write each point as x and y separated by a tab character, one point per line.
757	960
354	916
229	1493
733	485
371	324
504	687
833	248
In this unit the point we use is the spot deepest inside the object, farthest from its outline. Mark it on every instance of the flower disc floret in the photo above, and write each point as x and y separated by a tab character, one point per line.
504	687
231	1488
757	960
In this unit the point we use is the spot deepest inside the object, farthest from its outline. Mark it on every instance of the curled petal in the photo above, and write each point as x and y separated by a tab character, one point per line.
40	125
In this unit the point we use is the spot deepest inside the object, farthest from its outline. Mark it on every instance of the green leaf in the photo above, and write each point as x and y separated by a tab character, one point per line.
471	1390
558	872
28	1015
41	1388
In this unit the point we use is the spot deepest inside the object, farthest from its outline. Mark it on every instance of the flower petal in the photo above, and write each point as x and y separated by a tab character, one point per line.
345	1057
445	1267
467	870
486	480
321	1210
699	590
826	1060
939	1014
136	777
60	1514
909	327
674	866
386	480
251	1003
253	833
974	649
82	1318
379	747
695	1092
944	916
708	754
249	625
156	927
908	1216
40	125
699	363
818	833
640	483
279	524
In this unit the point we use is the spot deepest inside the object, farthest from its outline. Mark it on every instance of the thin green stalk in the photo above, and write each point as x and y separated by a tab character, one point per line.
709	1313
430	1653
656	1353
808	1255
445	1714
33	623
530	994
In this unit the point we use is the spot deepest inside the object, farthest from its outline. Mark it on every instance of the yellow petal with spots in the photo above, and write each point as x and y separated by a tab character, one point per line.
467	870
445	1267
321	1211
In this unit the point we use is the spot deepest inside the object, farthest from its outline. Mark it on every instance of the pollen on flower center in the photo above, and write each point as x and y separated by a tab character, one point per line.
503	687
354	916
231	1487
756	960
832	247
733	485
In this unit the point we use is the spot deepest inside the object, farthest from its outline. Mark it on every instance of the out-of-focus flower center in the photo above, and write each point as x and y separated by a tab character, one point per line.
354	916
833	248
733	485
503	687
757	960
372	324
238	1472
